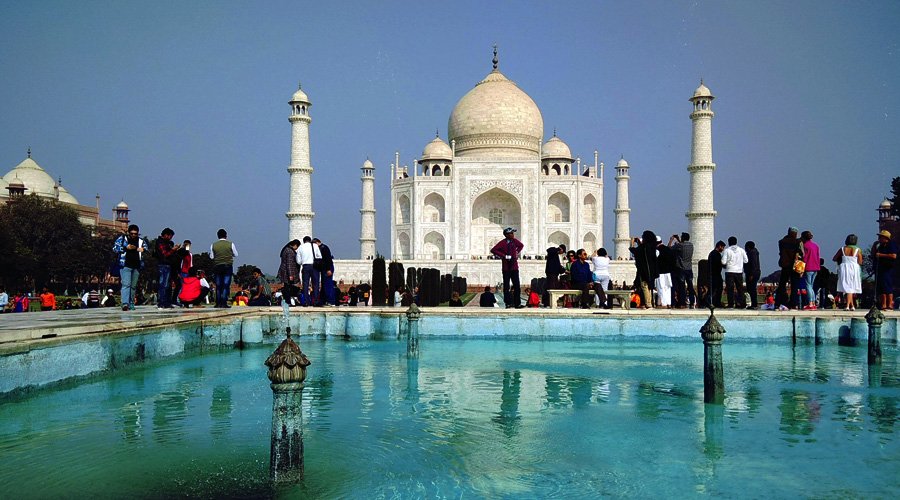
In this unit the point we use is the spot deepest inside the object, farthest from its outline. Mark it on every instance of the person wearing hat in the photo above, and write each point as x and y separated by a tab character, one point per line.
884	255
508	250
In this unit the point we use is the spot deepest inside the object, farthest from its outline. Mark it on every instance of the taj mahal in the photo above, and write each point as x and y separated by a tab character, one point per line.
495	170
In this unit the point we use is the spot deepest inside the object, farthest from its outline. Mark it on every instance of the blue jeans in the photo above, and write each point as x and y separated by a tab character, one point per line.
308	273
164	299
223	283
328	295
129	279
810	278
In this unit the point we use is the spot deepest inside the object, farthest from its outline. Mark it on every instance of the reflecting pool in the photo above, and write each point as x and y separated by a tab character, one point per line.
473	418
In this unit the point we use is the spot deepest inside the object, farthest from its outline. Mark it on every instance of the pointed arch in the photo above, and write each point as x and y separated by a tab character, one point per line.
433	245
403	250
434	208
558	208
589	209
403	212
491	212
558	238
590	243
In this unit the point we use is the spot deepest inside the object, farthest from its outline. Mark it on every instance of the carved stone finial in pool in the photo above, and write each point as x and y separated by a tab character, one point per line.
874	317
712	330
413	312
287	364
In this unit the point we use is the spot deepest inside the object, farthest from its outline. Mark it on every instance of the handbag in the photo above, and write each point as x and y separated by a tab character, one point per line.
799	267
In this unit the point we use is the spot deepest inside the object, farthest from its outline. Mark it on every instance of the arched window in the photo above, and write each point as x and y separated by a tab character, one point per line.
545	170
590	243
434	245
495	216
436	171
566	169
403	209
433	208
556	169
558	238
403	246
446	170
558	208
590	209
302	110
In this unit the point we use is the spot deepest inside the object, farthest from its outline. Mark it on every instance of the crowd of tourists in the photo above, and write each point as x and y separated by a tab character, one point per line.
664	275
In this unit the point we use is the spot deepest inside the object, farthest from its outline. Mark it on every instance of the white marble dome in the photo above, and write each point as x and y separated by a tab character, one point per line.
66	197
702	91
496	119
622	163
122	205
299	96
368	165
557	149
37	181
886	204
437	150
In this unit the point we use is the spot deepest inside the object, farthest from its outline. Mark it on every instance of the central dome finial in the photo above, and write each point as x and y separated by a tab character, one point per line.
495	60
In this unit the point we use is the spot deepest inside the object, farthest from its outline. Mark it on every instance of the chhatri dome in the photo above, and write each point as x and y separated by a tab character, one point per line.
702	91
496	119
557	149
437	150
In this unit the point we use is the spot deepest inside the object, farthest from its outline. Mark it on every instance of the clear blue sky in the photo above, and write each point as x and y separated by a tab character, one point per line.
181	107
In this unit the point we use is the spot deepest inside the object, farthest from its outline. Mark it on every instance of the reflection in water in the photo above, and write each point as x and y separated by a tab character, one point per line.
883	410
713	431
557	391
220	408
169	410
508	418
130	416
412	380
800	411
848	408
474	418
820	366
656	399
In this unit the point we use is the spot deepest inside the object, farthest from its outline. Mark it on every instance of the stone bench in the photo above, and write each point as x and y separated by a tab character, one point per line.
555	295
623	296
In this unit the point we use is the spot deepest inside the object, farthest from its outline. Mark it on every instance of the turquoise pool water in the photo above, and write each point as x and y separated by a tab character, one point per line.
473	418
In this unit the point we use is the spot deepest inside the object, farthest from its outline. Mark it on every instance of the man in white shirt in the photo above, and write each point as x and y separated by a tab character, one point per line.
4	300
307	254
733	259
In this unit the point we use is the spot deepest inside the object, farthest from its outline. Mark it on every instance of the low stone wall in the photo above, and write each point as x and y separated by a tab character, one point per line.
27	365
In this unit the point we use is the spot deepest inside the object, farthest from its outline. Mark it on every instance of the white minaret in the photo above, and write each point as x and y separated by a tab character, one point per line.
300	214
367	212
701	215
623	213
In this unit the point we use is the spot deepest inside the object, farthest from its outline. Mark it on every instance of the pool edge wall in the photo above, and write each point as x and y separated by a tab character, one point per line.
26	366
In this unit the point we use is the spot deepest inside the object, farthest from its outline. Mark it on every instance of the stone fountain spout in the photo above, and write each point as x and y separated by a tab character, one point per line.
287	371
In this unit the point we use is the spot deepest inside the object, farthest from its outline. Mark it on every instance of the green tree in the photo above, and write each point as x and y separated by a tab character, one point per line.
244	275
203	262
43	242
